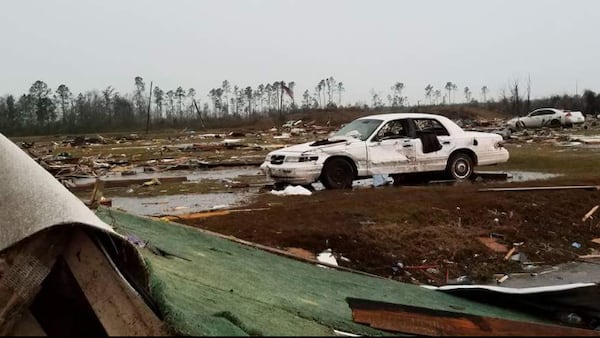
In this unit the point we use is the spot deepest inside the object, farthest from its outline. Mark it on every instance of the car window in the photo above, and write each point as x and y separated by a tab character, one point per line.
393	129
541	112
430	125
361	129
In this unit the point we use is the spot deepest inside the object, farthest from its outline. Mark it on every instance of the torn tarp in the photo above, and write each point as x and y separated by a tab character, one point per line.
31	199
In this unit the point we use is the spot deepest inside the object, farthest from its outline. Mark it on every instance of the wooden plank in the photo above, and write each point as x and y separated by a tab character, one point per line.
26	266
563	187
204	214
423	321
590	213
510	253
121	311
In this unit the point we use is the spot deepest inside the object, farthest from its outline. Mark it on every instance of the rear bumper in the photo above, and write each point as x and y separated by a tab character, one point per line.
574	120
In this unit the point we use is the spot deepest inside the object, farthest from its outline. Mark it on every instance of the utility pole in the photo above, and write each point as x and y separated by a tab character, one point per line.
149	104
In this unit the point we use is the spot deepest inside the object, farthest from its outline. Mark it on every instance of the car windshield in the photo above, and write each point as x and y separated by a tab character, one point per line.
361	129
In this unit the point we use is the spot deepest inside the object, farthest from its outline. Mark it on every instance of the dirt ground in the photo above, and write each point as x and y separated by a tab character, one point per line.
401	232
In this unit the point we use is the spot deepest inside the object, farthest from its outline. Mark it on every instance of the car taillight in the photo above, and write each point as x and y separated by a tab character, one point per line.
568	114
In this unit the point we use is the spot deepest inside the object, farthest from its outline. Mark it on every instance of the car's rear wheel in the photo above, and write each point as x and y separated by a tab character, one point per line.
460	167
555	124
337	174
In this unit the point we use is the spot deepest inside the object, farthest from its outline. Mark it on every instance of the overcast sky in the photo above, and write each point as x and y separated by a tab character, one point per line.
367	45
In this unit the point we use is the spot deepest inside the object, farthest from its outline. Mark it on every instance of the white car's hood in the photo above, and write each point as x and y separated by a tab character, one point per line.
331	143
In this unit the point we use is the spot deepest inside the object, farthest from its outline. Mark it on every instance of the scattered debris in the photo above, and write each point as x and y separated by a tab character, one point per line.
327	257
502	279
510	253
492	244
154	181
292	190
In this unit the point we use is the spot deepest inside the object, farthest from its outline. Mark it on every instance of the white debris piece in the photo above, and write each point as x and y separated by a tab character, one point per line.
327	257
231	140
292	190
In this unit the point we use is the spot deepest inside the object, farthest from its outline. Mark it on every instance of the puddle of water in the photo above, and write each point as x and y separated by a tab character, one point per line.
524	176
192	175
178	204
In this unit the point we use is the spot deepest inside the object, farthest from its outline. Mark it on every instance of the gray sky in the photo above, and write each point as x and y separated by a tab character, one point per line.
364	44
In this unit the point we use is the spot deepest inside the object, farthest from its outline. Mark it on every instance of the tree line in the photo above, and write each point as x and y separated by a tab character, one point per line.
45	111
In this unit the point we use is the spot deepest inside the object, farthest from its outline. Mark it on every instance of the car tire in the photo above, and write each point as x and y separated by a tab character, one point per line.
520	125
460	167
337	174
555	124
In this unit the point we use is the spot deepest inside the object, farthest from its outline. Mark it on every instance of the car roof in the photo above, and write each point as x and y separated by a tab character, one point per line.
393	116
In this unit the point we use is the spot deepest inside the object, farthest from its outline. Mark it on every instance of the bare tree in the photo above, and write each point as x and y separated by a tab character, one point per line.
180	94
396	98
248	93
484	91
158	101
467	92
64	97
429	92
225	91
140	87
340	90
515	97
170	102
437	95
449	87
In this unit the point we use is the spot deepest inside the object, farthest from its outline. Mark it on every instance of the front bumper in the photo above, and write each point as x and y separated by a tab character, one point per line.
293	173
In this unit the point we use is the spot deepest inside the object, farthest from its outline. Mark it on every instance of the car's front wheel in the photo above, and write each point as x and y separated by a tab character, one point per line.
337	174
460	166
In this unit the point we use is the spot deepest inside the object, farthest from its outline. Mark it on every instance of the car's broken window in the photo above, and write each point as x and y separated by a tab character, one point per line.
360	129
430	125
392	130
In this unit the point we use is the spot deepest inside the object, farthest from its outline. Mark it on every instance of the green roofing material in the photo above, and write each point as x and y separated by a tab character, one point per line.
232	289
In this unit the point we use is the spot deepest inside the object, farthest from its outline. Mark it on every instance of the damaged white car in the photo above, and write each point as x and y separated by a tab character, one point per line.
393	144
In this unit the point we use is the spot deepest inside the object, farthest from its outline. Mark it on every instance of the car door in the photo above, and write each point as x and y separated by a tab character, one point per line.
547	116
391	150
429	131
536	118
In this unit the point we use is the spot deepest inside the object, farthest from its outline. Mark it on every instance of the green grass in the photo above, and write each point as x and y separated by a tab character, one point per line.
577	162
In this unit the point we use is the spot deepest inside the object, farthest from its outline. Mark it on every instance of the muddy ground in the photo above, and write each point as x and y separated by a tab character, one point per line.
390	231
419	233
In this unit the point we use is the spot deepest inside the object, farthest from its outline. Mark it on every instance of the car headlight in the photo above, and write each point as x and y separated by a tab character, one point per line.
302	158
